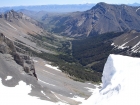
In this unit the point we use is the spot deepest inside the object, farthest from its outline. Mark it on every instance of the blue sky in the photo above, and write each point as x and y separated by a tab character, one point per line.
45	2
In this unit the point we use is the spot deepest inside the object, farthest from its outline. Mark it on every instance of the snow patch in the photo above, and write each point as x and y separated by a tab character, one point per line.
123	47
136	47
53	67
35	60
14	96
45	94
120	82
89	89
8	78
112	44
79	99
137	9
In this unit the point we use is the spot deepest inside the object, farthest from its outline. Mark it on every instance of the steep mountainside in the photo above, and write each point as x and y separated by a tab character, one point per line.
24	49
23	29
18	24
19	19
101	18
33	40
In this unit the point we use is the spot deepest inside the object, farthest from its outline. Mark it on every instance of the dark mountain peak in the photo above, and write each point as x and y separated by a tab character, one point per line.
101	4
106	6
13	13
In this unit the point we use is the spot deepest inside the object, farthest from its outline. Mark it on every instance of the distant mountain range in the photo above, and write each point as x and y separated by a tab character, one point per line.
51	8
56	8
134	4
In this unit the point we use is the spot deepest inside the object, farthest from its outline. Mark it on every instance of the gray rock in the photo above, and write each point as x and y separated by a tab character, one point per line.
4	48
7	47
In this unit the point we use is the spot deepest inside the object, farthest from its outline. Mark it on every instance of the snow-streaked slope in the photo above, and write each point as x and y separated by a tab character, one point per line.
121	84
19	96
130	40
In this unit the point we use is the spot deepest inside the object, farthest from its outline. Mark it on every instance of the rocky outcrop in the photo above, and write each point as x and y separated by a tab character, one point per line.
26	62
12	16
7	47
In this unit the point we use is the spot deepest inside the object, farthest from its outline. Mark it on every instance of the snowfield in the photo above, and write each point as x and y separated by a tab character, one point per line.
19	96
121	84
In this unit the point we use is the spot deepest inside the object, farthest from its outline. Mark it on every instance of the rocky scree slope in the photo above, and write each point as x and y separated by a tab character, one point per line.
102	18
19	28
13	24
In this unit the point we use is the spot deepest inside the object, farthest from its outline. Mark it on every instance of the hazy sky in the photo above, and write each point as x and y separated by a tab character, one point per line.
44	2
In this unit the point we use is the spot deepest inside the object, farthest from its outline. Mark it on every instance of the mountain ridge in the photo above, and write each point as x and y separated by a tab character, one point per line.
102	18
13	15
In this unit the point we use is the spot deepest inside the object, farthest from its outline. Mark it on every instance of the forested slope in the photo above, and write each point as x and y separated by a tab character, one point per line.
93	51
